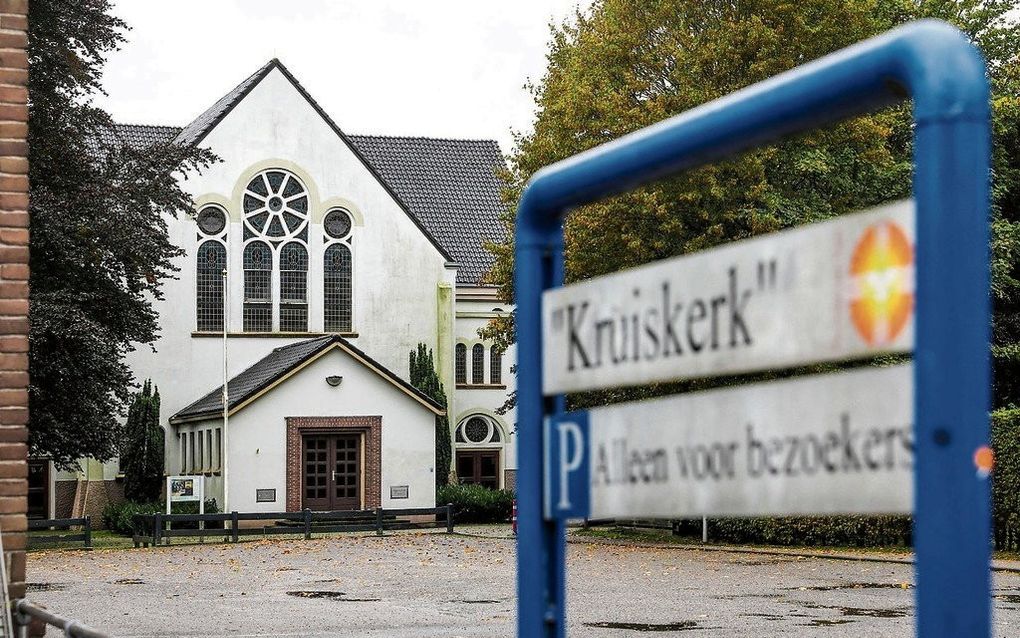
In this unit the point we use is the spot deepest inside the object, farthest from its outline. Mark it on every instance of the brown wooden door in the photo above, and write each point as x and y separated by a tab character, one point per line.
346	473
478	467
331	472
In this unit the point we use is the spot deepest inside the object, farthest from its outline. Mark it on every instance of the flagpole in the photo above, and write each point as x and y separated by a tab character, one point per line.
225	452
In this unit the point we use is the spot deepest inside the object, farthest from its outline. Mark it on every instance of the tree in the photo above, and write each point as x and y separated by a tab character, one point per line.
424	377
141	452
99	247
627	64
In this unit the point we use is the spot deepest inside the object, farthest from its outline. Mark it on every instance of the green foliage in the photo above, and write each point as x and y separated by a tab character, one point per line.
424	377
624	65
99	246
830	531
476	504
119	517
141	453
1006	479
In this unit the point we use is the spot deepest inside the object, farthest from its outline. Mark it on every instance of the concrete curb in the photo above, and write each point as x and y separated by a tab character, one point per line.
997	565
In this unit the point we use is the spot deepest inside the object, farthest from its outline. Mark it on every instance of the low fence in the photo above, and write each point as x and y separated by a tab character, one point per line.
159	528
25	611
85	535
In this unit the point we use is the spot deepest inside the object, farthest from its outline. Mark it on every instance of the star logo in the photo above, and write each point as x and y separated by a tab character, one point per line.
882	283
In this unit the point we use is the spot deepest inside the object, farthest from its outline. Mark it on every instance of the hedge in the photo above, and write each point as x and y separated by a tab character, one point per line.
476	504
119	516
870	531
1006	479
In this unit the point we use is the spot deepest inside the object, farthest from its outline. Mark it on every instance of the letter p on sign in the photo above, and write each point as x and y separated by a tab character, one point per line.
567	475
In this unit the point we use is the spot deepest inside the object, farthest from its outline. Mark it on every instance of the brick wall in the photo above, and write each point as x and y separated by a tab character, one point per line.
370	428
14	286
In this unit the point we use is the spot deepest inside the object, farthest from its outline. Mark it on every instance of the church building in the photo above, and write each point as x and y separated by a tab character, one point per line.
341	253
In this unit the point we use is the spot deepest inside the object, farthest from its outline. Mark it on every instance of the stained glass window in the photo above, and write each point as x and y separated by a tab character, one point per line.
337	223
337	289
495	366
294	288
460	360
212	259
258	268
478	364
275	204
211	221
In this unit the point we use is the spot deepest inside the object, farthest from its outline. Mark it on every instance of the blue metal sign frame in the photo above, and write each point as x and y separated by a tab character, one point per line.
928	61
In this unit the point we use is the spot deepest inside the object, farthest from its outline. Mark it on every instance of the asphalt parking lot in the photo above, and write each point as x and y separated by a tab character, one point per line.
424	585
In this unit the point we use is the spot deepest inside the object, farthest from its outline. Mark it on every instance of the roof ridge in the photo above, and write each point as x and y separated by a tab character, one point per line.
148	125
425	137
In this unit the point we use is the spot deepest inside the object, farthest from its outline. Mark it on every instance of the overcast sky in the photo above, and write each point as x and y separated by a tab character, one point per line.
442	68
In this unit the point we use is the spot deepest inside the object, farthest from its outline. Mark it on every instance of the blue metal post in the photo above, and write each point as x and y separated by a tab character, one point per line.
933	63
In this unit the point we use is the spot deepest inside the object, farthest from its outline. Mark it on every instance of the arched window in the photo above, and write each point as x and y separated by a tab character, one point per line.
336	289
495	366
212	259
294	288
258	302
460	362
478	364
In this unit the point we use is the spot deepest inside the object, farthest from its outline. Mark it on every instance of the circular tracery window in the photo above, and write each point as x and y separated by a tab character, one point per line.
276	204
337	223
211	220
478	429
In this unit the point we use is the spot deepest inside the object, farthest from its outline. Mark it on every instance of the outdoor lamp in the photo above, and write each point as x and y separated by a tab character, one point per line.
334	380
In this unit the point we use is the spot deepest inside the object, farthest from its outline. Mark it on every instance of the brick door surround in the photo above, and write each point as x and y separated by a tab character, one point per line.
370	427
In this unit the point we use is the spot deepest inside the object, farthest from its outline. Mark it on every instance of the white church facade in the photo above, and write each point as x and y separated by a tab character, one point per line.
341	253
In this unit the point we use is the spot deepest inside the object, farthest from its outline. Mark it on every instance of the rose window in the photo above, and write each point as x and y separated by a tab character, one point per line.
276	204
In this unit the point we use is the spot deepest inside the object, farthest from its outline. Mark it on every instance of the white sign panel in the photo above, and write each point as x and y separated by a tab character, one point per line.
829	291
836	443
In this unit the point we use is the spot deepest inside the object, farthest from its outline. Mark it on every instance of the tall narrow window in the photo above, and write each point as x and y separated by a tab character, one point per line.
199	453
212	259
461	363
184	452
294	288
219	449
336	289
211	465
478	364
495	366
258	309
191	453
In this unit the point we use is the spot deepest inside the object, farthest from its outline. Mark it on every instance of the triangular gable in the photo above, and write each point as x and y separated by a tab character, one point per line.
200	128
279	365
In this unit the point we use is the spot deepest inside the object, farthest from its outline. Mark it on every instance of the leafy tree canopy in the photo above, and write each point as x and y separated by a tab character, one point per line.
99	247
627	64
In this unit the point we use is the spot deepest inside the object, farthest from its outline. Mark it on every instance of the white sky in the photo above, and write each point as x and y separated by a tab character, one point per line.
441	68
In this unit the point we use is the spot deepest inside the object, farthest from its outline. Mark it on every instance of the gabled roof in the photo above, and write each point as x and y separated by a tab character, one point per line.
196	131
276	367
449	188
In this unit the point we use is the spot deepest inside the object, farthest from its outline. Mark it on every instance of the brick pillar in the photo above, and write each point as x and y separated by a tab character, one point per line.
14	287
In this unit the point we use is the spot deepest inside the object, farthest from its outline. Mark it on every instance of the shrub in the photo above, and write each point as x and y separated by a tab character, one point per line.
476	504
119	517
141	452
838	531
1006	479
